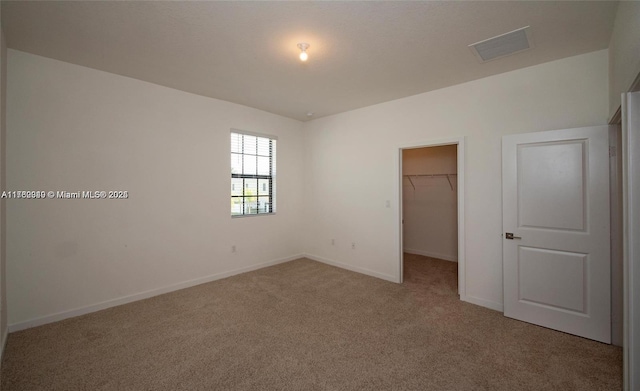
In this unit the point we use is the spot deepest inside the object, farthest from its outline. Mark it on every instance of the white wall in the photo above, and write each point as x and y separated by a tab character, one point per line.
430	207
624	49
351	162
74	128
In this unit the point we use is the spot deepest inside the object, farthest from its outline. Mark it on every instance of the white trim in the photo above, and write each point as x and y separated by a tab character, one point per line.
460	142
615	201
433	143
493	305
142	295
462	254
253	215
357	269
399	234
256	134
430	254
631	243
5	336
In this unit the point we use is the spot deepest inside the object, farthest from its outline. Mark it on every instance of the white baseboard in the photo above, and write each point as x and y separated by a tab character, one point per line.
483	303
142	295
431	254
356	269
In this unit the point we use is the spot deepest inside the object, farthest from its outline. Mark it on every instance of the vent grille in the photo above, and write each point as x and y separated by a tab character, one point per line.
503	45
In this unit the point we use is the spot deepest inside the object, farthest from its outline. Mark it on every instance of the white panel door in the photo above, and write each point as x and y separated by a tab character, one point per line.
556	261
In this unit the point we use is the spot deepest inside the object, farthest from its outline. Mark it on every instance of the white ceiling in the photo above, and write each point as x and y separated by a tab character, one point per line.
361	53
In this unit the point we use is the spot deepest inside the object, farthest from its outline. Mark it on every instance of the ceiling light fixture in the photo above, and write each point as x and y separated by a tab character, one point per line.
303	51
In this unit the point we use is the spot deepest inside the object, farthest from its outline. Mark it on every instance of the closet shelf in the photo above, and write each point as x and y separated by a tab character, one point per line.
430	175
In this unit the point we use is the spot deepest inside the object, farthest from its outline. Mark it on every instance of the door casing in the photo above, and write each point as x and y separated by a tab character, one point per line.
460	143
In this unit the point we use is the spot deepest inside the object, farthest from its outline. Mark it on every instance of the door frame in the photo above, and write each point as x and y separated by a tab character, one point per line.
460	155
631	245
617	262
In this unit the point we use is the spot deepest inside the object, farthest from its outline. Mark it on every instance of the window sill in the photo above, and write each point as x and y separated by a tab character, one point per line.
255	215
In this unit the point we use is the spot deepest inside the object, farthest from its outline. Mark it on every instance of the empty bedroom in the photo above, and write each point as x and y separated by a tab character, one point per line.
347	195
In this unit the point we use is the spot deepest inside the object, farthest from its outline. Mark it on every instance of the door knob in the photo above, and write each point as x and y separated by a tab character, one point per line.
509	235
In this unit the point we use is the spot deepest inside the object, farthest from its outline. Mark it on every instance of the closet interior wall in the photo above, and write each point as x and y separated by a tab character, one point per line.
430	202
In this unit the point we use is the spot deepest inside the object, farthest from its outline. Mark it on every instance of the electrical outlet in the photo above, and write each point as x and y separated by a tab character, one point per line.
353	245
233	248
333	242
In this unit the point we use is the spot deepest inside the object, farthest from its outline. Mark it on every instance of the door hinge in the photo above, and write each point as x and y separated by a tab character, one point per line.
612	151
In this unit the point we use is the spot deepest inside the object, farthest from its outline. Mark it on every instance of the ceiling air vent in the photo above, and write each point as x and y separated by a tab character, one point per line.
503	45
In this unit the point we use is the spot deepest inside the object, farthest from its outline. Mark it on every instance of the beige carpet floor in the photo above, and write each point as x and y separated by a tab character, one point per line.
304	325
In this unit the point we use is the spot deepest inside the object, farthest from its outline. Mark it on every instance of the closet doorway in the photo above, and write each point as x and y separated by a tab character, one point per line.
432	215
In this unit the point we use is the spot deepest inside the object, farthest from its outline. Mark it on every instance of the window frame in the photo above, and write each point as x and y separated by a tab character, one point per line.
271	177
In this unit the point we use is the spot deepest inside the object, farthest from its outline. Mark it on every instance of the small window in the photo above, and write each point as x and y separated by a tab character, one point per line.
253	166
